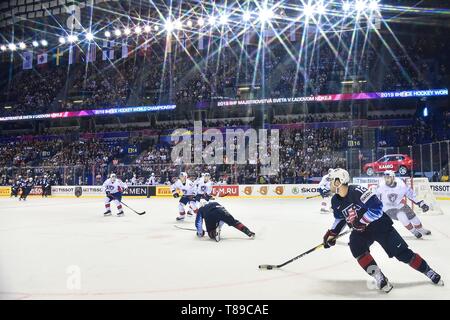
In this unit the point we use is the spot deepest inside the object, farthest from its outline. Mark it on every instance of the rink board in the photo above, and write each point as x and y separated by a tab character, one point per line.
441	191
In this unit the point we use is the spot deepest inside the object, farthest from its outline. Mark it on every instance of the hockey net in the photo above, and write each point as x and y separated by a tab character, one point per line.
421	187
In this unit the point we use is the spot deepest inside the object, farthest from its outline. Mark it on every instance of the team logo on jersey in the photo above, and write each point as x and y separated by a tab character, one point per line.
351	212
248	190
263	190
295	190
279	190
392	197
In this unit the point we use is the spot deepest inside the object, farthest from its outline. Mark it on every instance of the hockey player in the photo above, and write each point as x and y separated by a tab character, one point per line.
26	186
392	191
215	216
203	188
325	192
152	180
188	198
16	187
46	186
113	188
362	211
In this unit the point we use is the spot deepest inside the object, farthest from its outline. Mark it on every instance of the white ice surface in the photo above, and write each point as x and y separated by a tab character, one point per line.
146	257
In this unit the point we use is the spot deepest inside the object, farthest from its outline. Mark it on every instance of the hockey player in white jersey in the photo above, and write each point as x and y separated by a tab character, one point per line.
392	191
113	188
186	186
324	190
152	180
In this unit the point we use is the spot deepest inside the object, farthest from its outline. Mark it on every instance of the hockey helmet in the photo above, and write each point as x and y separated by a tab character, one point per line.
341	174
183	174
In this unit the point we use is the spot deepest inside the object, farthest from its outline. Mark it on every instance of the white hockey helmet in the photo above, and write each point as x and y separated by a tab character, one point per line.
341	174
152	174
330	170
113	176
183	174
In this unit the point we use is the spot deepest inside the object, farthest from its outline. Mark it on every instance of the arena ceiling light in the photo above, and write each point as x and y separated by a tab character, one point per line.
374	5
156	28
22	45
169	25
35	43
212	20
117	33
62	40
126	31
89	36
320	8
308	10
12	47
107	34
189	23
72	38
346	6
246	16
3	47
265	14
147	28
201	22
360	5
223	19
138	30
44	43
177	24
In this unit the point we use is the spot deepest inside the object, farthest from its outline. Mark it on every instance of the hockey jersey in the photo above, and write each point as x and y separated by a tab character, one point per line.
392	197
114	187
359	204
187	188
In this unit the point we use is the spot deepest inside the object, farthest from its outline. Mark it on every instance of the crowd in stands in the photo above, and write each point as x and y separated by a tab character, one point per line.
187	79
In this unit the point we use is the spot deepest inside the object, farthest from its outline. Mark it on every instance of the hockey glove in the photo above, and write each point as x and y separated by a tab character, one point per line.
423	206
200	235
329	239
176	195
110	196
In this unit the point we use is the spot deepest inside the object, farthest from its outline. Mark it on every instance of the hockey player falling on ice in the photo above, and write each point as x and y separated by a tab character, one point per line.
215	216
325	192
392	191
188	198
113	188
362	211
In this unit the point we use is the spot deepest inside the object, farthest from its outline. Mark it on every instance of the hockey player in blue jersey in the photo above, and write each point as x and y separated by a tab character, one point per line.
362	211
26	186
215	215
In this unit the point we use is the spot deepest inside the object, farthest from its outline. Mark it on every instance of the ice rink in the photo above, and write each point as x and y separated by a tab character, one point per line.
65	249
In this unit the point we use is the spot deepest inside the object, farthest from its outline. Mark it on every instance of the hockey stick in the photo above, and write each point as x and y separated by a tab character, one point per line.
189	229
311	197
272	266
139	213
